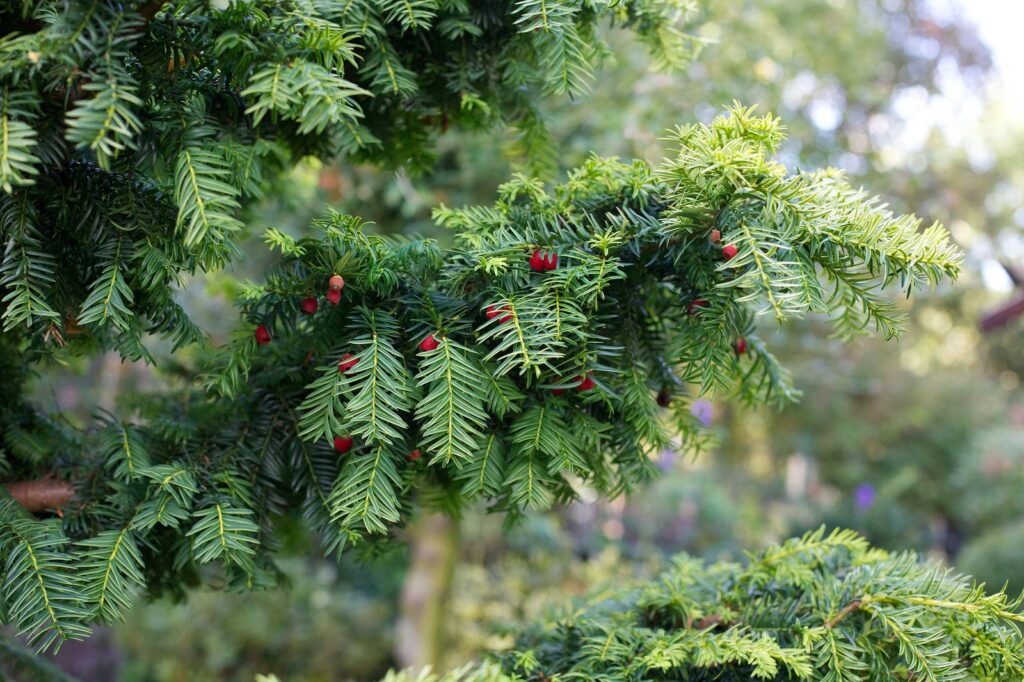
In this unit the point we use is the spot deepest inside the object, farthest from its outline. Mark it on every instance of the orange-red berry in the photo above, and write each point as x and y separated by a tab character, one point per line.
347	362
493	311
262	335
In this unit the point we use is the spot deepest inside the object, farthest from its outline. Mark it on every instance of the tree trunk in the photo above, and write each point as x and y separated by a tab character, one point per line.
419	633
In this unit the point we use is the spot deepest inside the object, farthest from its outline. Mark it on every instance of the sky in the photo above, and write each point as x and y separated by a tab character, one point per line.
999	23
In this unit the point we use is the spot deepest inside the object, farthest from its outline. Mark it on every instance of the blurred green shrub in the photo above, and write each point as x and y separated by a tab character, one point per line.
996	558
332	623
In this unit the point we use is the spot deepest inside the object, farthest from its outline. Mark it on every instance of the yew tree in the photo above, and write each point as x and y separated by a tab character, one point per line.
554	340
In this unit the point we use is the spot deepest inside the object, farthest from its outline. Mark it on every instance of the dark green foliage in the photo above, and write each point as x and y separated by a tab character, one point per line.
133	134
822	607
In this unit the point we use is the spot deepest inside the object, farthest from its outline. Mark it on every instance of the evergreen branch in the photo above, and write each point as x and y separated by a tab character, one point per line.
380	383
39	589
784	629
365	494
28	271
18	139
206	201
224	532
111	573
109	295
451	413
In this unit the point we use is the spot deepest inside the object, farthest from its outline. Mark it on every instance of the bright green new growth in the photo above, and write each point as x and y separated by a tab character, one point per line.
822	607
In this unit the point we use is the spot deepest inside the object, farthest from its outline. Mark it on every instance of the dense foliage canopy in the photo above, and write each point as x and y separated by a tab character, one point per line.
556	343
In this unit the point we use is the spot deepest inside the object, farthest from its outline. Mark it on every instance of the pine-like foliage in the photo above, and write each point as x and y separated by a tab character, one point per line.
824	607
469	373
556	345
133	134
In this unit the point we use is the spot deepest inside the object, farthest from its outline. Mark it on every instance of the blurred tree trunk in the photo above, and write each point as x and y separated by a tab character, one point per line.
420	632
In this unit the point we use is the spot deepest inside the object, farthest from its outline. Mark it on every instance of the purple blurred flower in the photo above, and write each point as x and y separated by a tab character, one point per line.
667	459
702	410
864	496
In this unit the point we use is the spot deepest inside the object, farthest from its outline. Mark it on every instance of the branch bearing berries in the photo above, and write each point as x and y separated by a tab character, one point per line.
729	251
430	343
342	444
262	335
308	305
347	362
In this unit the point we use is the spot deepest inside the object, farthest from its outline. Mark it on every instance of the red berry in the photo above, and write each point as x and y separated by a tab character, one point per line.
586	383
334	296
342	444
729	251
308	305
716	235
537	263
493	311
262	335
347	362
429	343
336	283
695	305
414	455
740	346
551	261
557	391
